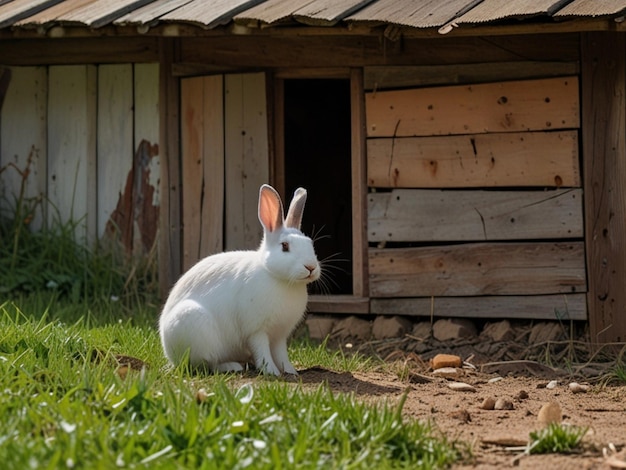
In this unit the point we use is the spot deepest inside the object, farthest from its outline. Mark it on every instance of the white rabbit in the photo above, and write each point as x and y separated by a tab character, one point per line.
241	305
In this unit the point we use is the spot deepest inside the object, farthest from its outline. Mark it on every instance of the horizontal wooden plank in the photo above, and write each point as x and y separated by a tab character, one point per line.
328	47
387	77
478	269
536	307
426	215
514	106
338	304
481	160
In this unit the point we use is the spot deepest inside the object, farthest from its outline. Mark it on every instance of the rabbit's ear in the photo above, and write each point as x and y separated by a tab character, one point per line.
296	208
270	208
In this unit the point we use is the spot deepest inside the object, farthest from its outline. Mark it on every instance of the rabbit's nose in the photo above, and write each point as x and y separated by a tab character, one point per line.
310	268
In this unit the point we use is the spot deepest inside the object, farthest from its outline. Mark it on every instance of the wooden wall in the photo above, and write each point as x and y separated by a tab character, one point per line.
92	135
225	159
475	199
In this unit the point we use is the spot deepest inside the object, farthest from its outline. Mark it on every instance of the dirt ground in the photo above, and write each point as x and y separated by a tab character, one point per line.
496	438
533	367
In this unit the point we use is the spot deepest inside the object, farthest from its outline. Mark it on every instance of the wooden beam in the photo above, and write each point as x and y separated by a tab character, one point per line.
101	50
604	167
538	307
338	304
169	150
385	77
359	186
355	51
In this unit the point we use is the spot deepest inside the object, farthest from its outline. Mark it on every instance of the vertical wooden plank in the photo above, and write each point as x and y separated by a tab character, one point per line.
359	186
71	145
23	134
147	116
202	135
146	159
115	141
604	168
247	162
191	128
169	141
212	215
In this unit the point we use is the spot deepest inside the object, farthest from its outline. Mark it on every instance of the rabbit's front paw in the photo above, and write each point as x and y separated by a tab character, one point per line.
269	369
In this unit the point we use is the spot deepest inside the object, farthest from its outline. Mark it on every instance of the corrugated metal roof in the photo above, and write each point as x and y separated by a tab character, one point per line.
592	8
494	10
210	14
423	14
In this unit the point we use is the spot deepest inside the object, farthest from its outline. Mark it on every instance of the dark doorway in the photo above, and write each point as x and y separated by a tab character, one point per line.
318	157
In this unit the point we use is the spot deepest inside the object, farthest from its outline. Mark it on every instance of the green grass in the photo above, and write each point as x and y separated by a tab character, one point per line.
64	405
556	438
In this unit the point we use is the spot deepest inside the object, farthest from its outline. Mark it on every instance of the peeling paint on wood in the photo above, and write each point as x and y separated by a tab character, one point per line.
135	218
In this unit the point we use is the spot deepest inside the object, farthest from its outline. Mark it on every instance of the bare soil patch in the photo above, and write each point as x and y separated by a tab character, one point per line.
511	370
492	434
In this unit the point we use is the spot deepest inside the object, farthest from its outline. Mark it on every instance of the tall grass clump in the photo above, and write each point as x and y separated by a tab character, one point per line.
55	264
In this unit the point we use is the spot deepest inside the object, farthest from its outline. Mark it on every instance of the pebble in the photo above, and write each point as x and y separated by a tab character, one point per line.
488	403
461	387
521	395
494	380
503	404
448	372
575	387
552	384
550	413
446	360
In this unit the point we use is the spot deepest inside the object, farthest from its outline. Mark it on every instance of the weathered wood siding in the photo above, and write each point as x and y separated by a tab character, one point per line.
202	103
22	135
92	132
475	198
247	157
224	134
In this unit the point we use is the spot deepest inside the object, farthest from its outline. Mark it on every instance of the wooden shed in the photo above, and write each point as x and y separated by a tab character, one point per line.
463	157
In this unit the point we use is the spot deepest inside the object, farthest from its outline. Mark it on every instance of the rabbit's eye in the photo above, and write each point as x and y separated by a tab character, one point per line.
285	246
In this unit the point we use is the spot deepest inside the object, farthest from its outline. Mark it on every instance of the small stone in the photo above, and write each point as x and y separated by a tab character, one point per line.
522	395
488	403
552	384
390	327
498	331
550	413
494	380
448	372
461	387
544	332
422	330
453	328
353	327
446	360
201	395
503	404
319	327
575	387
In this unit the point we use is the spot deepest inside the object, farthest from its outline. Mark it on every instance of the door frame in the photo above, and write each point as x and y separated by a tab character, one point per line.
358	301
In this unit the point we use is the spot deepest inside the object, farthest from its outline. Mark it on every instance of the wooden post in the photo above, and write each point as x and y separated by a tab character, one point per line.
603	81
359	186
169	149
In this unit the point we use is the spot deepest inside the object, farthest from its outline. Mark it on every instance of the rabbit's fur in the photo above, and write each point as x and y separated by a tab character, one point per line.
236	306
